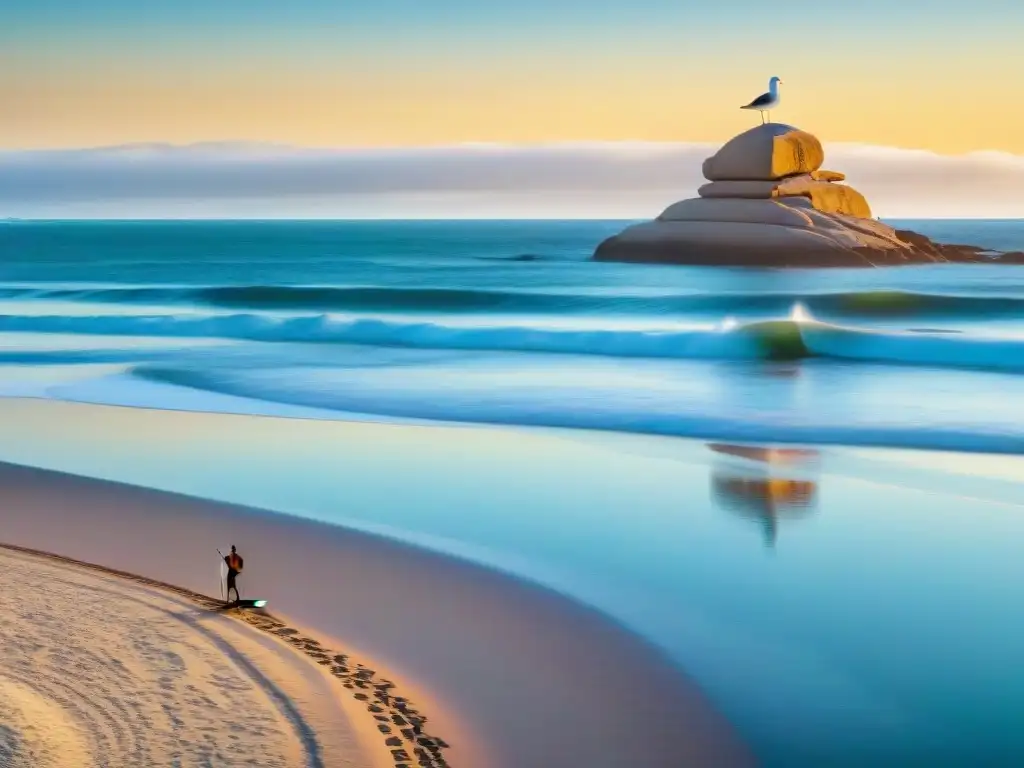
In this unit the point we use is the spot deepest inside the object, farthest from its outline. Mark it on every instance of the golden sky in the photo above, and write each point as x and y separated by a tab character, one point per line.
382	75
395	108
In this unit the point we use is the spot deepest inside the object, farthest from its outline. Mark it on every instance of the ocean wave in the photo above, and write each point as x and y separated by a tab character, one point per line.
865	303
781	339
77	356
926	347
768	339
787	339
658	408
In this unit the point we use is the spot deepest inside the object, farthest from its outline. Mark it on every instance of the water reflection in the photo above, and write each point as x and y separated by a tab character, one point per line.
784	370
765	484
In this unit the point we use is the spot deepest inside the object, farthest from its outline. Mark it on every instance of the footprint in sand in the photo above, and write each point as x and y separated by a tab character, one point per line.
132	675
99	670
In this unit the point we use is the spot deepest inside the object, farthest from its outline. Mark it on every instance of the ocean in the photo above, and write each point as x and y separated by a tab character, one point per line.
841	606
507	322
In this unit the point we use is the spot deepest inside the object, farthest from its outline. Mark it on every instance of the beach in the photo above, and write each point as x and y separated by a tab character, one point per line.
698	602
509	674
100	669
563	512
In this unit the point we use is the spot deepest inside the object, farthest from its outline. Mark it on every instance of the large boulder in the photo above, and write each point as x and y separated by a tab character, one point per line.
831	241
791	211
765	152
738	232
818	187
770	204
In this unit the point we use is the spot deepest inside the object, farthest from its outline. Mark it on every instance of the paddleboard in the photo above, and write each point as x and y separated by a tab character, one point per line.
248	604
223	571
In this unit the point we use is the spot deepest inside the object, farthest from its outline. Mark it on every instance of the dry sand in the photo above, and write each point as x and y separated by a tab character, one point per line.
511	675
101	668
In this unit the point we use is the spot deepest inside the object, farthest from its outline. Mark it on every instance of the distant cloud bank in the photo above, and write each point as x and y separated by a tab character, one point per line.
590	180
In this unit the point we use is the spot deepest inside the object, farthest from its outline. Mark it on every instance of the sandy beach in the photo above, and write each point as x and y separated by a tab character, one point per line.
107	668
494	671
559	597
102	669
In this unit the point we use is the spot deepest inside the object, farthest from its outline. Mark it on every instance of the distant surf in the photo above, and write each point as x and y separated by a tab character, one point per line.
863	303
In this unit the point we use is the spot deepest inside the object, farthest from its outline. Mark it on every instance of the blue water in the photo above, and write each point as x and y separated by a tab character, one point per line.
872	619
867	615
509	322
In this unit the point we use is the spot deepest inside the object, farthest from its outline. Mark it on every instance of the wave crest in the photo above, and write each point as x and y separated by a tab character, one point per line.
871	303
800	336
769	339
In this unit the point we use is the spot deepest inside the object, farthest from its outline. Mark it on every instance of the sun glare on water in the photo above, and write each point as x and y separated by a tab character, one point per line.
799	314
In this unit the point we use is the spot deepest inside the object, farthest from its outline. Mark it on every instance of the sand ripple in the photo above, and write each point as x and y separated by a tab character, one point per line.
96	671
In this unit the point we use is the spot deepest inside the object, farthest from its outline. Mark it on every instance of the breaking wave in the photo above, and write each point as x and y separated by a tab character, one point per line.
769	339
787	339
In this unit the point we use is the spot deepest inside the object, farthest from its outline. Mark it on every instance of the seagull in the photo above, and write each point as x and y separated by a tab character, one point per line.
767	101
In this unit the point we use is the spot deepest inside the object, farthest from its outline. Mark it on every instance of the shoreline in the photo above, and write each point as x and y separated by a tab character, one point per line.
511	673
401	726
1001	446
578	586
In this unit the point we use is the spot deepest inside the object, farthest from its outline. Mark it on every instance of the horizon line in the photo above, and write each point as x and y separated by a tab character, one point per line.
582	144
399	220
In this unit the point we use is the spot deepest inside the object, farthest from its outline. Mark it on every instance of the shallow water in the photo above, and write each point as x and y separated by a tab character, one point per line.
837	606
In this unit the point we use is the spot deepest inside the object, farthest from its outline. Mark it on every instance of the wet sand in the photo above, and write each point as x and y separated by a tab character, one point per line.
781	593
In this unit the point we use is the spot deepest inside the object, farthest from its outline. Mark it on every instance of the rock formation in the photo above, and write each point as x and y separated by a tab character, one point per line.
768	203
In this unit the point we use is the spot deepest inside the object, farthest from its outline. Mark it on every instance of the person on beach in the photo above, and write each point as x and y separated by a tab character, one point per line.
234	562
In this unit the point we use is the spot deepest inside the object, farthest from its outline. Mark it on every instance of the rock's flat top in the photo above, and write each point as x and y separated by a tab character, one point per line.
764	153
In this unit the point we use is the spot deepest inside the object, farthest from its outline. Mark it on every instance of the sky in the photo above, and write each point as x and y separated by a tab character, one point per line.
387	79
